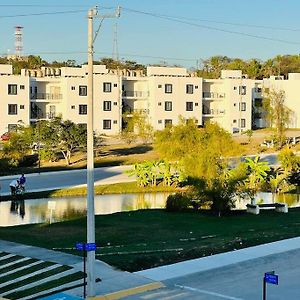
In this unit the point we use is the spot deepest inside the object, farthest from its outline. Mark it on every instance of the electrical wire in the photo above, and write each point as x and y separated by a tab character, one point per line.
210	27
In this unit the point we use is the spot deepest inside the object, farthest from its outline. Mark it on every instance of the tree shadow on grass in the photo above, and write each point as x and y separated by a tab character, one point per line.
141	149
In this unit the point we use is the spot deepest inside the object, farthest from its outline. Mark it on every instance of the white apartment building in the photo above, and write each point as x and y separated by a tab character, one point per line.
163	95
14	95
228	101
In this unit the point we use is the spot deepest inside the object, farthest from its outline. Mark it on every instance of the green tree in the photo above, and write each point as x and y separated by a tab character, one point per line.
289	161
257	174
61	136
276	113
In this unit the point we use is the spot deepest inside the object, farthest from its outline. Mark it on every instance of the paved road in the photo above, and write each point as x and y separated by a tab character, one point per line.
236	275
66	179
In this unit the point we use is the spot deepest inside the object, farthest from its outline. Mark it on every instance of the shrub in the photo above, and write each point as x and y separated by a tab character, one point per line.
178	202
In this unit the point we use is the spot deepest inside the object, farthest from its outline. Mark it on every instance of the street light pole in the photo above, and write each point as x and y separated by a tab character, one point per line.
90	161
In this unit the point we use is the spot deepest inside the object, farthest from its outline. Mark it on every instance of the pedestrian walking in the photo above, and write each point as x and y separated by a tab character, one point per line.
14	185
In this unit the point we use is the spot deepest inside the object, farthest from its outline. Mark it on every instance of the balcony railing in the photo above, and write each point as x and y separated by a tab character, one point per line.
213	112
213	95
135	94
42	116
46	96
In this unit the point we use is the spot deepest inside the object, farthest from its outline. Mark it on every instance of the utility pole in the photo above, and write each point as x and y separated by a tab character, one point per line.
90	148
90	160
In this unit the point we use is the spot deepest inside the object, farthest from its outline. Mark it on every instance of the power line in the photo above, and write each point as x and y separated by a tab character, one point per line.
210	27
43	13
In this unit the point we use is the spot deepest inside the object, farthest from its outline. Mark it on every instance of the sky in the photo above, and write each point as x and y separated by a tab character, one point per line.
181	32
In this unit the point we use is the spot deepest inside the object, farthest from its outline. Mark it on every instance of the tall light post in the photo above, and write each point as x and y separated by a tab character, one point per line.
90	149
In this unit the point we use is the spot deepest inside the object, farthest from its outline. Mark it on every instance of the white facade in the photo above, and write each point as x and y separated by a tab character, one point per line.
163	94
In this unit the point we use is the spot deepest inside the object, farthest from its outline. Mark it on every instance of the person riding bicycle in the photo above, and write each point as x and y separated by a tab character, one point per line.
22	181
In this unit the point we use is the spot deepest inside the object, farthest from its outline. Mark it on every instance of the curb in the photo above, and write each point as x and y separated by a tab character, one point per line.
129	292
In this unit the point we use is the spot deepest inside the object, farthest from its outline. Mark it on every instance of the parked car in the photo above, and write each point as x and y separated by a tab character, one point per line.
5	136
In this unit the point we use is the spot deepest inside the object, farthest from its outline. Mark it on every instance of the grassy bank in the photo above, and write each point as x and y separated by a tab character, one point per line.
117	188
147	238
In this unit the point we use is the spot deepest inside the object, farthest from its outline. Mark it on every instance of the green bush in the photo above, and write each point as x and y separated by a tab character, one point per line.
178	202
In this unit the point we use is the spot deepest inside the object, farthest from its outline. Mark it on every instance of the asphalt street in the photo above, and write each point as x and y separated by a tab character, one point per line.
67	179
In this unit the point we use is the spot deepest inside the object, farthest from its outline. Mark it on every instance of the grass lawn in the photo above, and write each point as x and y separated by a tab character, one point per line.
147	238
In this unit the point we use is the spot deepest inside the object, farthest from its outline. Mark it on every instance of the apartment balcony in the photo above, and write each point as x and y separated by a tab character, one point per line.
42	115
213	96
46	96
135	94
129	112
213	112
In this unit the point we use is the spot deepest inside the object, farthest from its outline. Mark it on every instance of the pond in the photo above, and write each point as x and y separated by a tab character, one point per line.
58	209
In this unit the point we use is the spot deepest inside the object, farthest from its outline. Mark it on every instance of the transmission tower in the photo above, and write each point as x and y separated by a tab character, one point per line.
18	41
115	54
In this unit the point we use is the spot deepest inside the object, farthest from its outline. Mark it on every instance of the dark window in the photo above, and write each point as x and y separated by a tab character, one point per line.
35	89
22	106
106	87
82	90
243	106
12	127
31	90
107	105
243	123
168	88
196	104
196	87
115	103
115	85
159	86
168	122
83	126
12	109
159	121
72	106
242	90
234	104
234	121
258	102
12	89
234	87
73	88
106	124
189	106
189	89
22	87
82	109
168	106
159	103
115	122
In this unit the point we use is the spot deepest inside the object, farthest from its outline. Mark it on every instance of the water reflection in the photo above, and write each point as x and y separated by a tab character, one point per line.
53	210
20	212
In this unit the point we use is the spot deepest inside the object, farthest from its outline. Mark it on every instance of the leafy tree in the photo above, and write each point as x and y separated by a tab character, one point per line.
62	136
249	134
289	161
277	114
257	174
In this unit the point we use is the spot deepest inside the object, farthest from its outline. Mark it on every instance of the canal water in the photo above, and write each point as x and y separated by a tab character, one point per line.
59	209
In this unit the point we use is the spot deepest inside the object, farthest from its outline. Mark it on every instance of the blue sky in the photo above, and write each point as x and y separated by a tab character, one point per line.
199	32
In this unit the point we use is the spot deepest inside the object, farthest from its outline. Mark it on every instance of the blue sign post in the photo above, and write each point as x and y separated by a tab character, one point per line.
269	277
85	247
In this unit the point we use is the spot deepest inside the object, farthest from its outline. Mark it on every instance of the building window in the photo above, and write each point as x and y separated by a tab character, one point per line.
159	86
243	106
82	109
243	123
115	85
189	89
196	121
35	89
159	121
196	87
22	87
168	106
12	89
73	88
106	87
115	122
168	88
106	124
12	127
189	106
168	122
242	90
235	88
22	106
82	90
107	105
234	121
196	104
159	103
234	104
72	106
115	103
12	109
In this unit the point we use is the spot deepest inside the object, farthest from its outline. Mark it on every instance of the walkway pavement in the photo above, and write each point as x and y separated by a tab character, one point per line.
117	284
